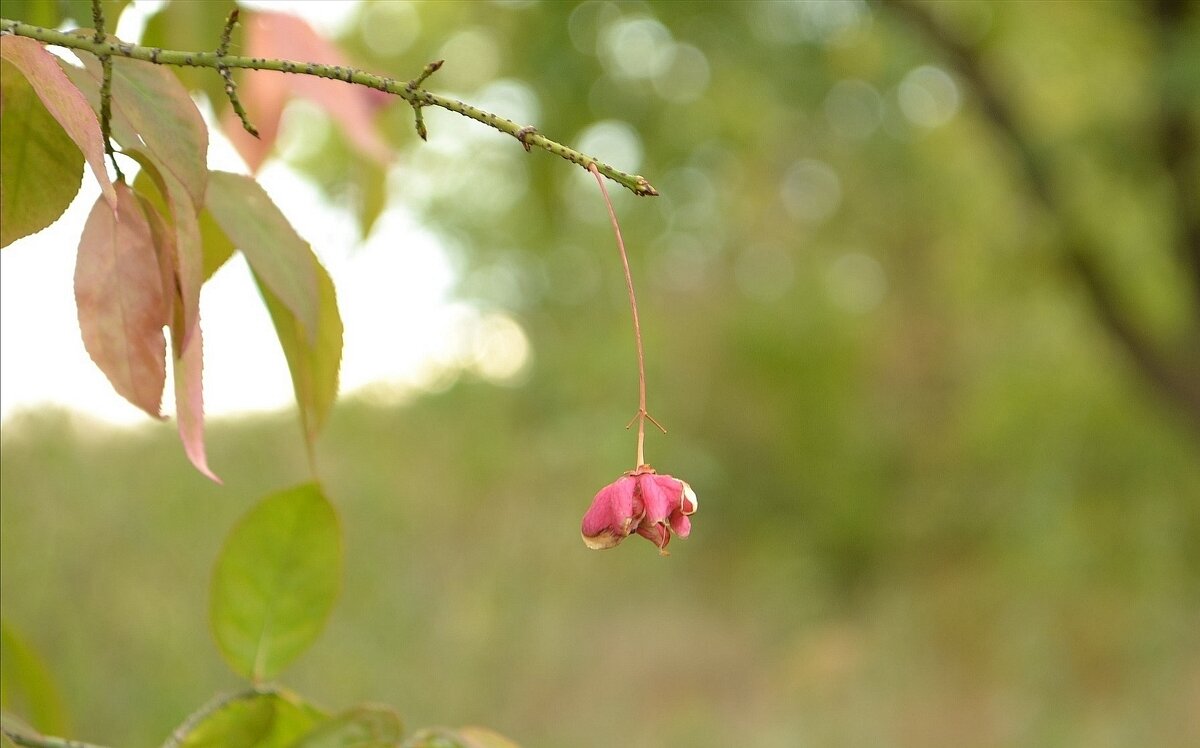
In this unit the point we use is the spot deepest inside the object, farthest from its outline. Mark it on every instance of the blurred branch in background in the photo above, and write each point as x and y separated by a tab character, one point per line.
1174	370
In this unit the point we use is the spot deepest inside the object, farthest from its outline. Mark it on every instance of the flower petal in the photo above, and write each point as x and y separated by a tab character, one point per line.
614	513
662	495
657	533
681	524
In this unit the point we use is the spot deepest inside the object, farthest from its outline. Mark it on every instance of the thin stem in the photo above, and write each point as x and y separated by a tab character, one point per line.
642	415
634	183
230	84
105	88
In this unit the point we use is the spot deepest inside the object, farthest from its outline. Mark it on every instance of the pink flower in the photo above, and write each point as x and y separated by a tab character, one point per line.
641	500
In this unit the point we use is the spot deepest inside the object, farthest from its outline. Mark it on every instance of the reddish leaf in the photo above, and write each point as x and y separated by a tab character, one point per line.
274	250
150	101
118	291
187	362
40	168
64	102
279	35
135	133
189	401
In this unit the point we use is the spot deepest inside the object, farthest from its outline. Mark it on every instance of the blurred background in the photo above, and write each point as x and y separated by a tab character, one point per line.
921	303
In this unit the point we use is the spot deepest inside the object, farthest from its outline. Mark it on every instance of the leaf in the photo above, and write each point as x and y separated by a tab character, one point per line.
247	720
188	357
314	366
52	14
193	25
465	737
274	250
150	101
26	686
119	294
279	35
189	253
40	168
64	102
276	580
361	727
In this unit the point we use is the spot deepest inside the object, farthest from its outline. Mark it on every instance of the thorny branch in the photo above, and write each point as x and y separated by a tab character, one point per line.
415	96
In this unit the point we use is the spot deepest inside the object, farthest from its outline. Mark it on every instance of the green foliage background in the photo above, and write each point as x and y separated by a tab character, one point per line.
958	517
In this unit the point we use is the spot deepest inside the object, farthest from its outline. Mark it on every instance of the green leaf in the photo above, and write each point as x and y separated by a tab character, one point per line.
298	292
314	366
40	167
274	250
361	727
247	720
53	13
276	581
26	686
64	101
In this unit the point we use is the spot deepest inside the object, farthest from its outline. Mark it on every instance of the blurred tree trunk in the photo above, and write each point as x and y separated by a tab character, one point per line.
1172	369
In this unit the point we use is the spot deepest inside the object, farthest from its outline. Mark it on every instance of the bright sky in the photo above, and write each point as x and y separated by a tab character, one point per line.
403	331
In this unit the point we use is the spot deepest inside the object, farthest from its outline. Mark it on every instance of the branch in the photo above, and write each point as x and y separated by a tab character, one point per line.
416	96
44	741
105	89
1178	377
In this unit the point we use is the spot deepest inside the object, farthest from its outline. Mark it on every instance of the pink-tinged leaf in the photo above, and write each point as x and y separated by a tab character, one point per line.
179	198
279	35
189	402
64	102
150	101
189	253
40	168
119	294
188	360
279	257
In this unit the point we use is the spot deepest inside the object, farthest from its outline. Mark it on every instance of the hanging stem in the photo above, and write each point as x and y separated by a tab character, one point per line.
642	416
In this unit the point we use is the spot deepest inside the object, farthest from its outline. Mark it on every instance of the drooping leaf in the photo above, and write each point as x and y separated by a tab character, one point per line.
189	402
119	294
279	35
314	366
150	101
64	102
187	357
361	727
26	687
276	580
274	250
248	720
178	199
40	168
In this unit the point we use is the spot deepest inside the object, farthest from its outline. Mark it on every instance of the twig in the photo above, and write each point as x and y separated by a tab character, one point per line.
230	85
105	88
634	183
415	84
